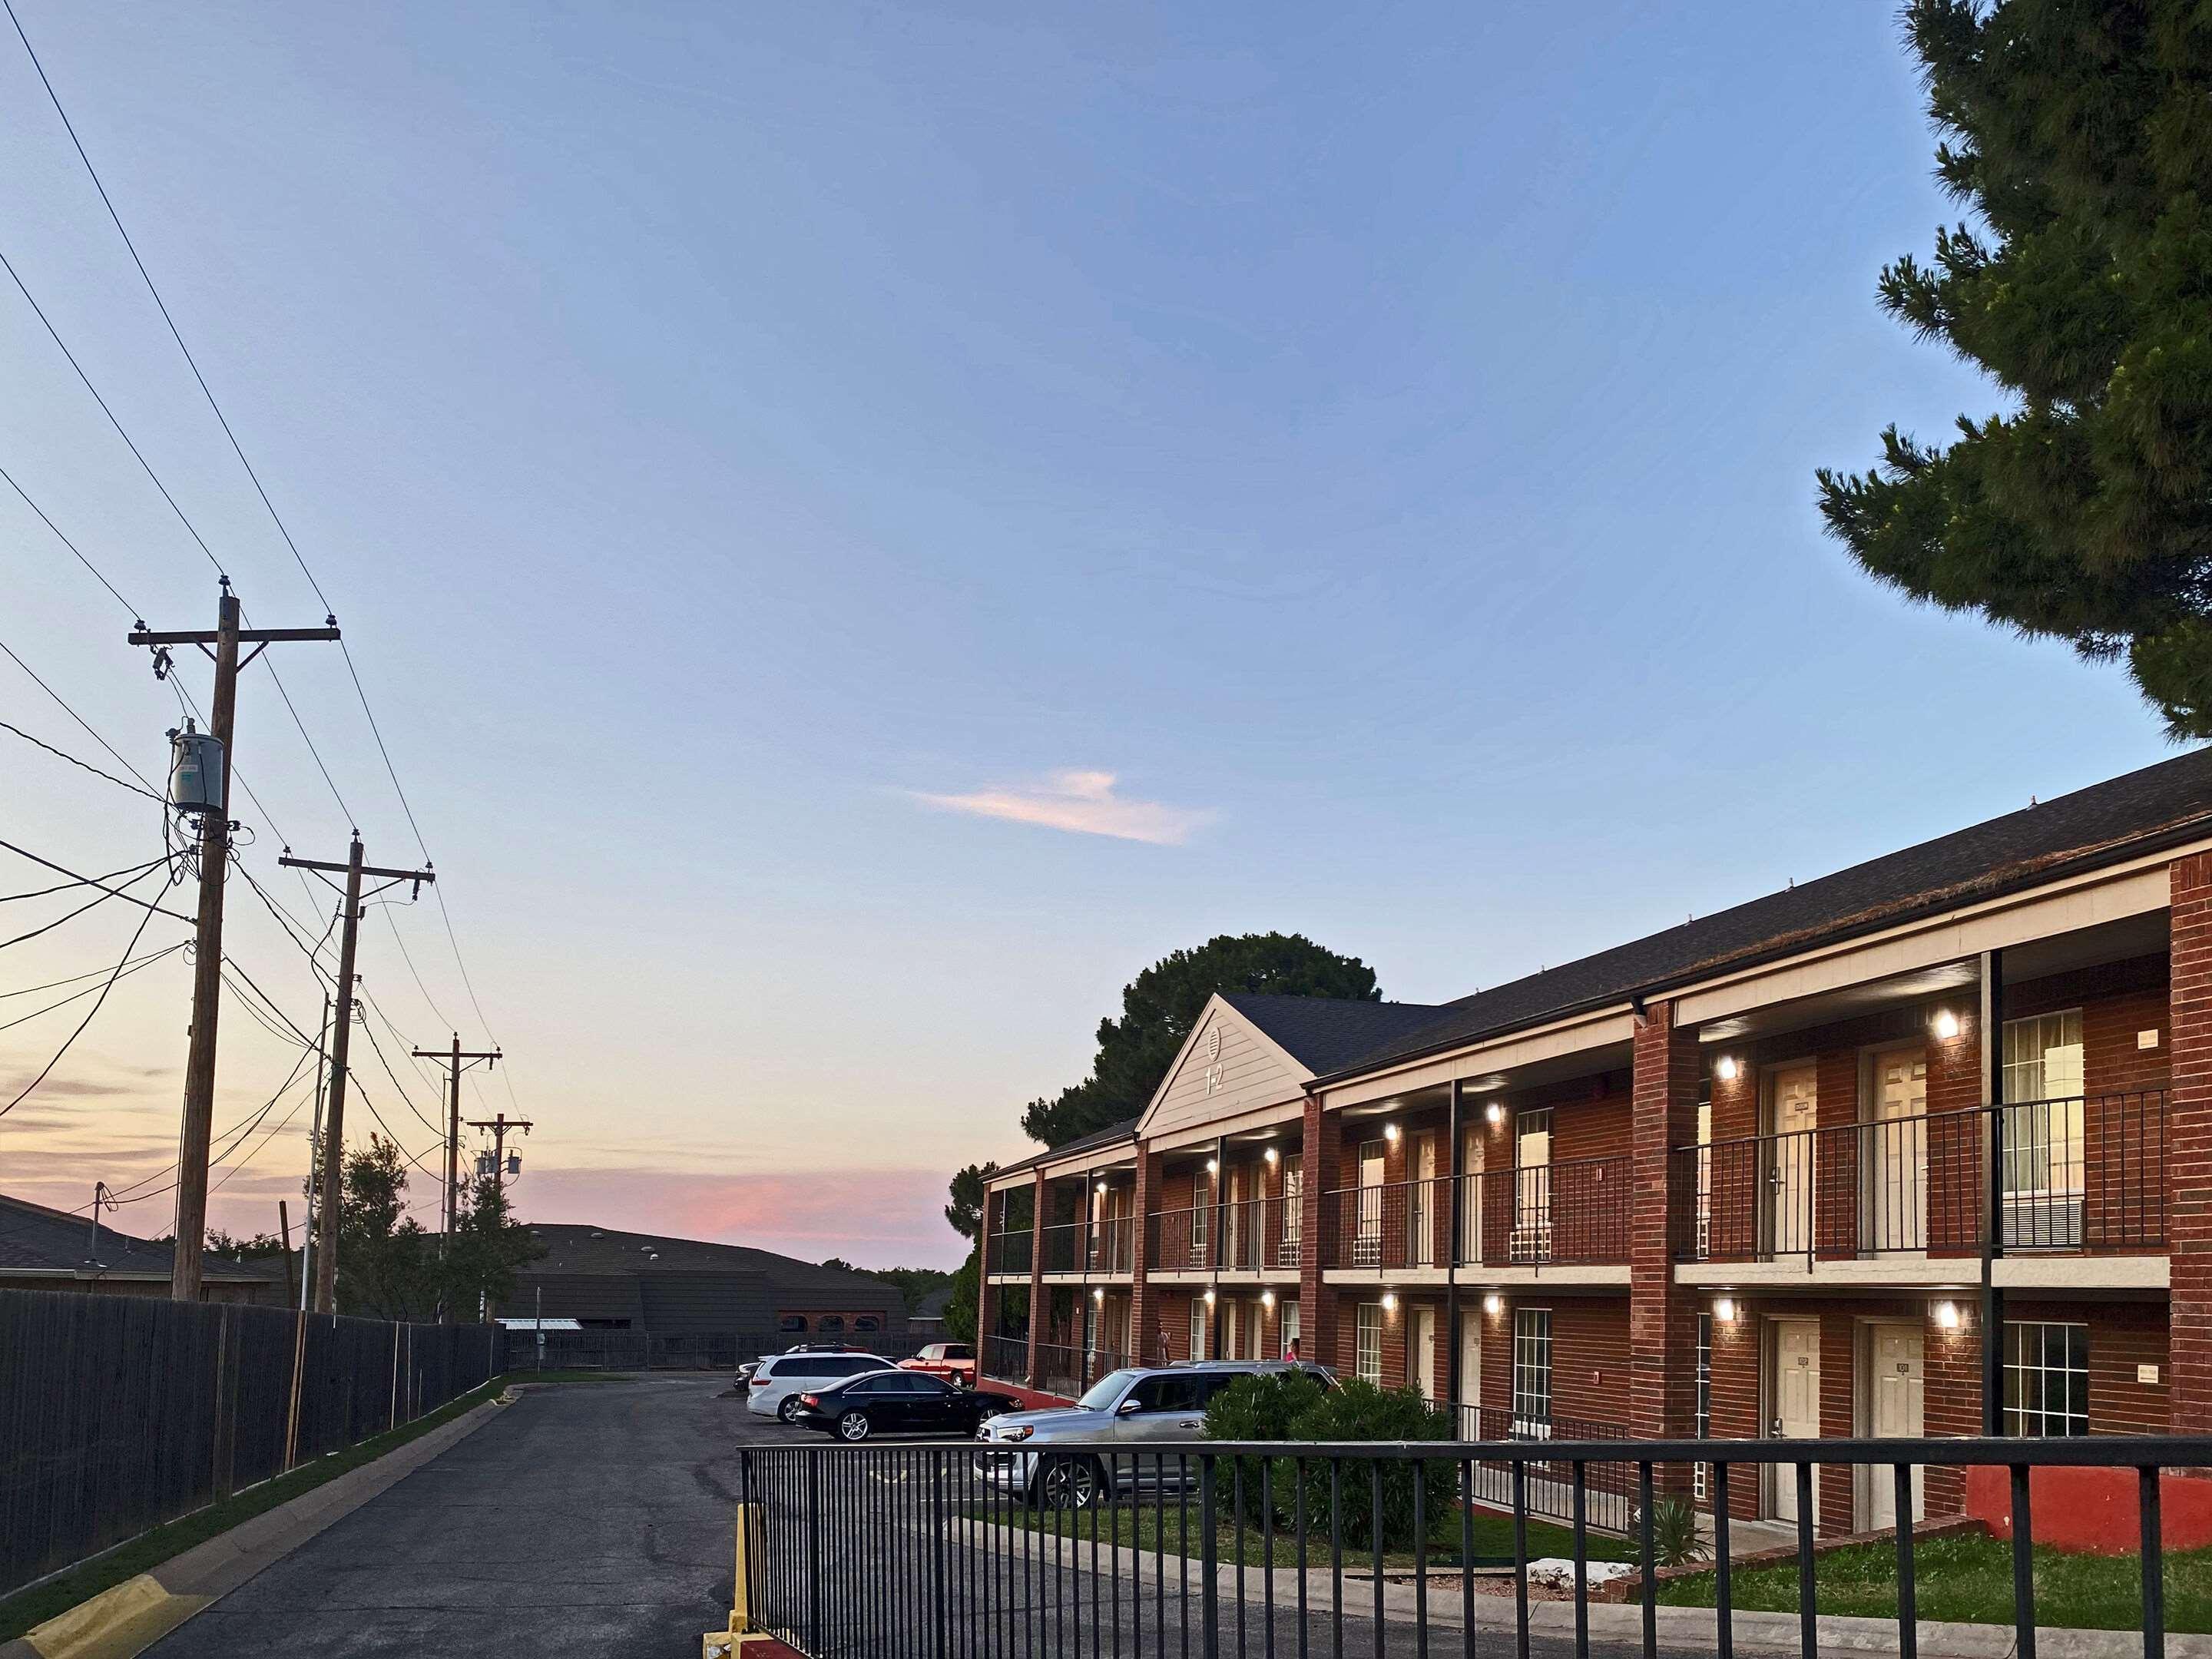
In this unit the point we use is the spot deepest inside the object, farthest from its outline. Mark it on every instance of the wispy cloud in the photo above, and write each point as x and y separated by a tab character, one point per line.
1083	803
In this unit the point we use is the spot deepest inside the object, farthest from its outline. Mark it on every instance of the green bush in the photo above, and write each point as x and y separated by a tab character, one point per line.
1264	1407
1675	1538
1285	1408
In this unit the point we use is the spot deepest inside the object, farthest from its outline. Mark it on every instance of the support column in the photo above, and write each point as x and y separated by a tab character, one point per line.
2189	1144
1456	1211
987	1293
1037	1277
1990	1326
1661	1322
1316	1306
1145	1345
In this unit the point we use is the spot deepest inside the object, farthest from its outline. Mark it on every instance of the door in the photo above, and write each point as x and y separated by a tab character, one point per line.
1233	1230
1897	1217
1422	1356
1232	1330
1797	1402
1165	1405
1789	1172
1290	1328
1470	1211
1420	1210
1895	1410
1470	1379
1255	1331
1367	1243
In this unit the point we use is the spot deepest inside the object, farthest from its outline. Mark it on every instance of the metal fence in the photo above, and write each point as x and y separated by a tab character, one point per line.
939	1552
118	1413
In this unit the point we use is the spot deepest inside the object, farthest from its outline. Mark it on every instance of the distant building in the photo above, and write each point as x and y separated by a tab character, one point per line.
926	1321
44	1249
687	1288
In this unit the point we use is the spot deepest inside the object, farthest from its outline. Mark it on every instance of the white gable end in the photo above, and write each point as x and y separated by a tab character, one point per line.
1227	1066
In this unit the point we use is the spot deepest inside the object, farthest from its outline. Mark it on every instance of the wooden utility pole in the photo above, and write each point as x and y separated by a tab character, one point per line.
499	1125
457	1061
215	828
332	1150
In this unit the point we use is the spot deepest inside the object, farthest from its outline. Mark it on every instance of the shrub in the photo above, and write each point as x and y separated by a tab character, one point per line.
1674	1540
1264	1407
1295	1408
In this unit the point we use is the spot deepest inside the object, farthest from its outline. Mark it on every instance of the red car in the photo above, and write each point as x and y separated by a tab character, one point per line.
954	1362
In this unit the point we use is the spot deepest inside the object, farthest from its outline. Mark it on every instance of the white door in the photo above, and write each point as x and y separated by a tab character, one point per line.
1790	1171
1897	1215
1367	1248
1232	1332
1896	1410
1470	1379
1424	1352
1797	1400
1420	1238
1232	1228
1255	1332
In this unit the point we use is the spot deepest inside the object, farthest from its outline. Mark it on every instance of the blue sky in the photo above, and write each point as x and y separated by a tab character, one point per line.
1364	456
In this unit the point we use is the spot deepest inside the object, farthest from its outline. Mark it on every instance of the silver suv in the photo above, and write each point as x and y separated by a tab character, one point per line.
1123	1410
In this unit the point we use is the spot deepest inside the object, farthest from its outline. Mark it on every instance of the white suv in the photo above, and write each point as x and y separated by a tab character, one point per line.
774	1389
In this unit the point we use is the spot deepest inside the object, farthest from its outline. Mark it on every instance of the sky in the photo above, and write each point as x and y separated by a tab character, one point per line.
863	526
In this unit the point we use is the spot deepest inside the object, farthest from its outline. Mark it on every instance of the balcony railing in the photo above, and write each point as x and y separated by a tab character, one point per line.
1092	1247
1113	1245
1611	1489
1575	1213
2078	1173
1183	1240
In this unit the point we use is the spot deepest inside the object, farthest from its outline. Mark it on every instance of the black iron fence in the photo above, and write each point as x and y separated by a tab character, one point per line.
639	1351
118	1413
959	1552
2074	1173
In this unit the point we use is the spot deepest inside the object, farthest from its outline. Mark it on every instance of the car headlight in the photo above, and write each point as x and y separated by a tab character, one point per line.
1019	1432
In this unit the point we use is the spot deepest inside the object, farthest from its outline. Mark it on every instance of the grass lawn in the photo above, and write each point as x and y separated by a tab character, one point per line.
29	1608
1969	1579
1176	1531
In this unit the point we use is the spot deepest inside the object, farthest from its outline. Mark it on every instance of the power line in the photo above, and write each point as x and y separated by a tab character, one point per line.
95	973
97	574
67	886
63	704
90	1015
88	881
129	969
63	754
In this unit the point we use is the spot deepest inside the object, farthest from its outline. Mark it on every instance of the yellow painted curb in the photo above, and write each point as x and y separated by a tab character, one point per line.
116	1623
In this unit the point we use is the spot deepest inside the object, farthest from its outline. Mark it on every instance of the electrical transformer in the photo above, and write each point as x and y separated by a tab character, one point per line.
195	771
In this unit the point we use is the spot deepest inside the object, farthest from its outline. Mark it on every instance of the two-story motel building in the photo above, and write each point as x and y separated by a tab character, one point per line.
1848	1159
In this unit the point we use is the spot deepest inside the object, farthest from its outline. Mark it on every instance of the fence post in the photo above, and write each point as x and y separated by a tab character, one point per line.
292	1412
226	1402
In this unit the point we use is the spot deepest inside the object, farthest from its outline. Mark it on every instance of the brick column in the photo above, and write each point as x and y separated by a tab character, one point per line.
1037	1276
1662	1390
2188	1144
1144	1301
1316	1304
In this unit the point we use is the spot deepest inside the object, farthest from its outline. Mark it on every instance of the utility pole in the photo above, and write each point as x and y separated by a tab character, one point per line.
333	1140
207	961
314	1151
458	1062
499	1125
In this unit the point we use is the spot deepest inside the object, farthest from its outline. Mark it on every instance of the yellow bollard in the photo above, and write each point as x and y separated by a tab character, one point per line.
741	1638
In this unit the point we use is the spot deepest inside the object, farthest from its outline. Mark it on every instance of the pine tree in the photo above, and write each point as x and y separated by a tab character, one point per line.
2078	134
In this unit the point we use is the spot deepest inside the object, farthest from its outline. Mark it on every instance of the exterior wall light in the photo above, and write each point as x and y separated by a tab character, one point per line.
1946	1315
1266	1298
1495	1111
1725	1310
1947	1024
1214	1166
1272	1155
1209	1298
1493	1304
1389	1132
1389	1302
1098	1295
1725	1068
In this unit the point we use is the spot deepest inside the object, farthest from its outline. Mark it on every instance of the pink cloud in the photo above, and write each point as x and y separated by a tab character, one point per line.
874	1218
1082	802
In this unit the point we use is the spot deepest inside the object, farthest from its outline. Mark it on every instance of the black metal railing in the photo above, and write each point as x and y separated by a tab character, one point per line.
1183	1240
1260	1235
1113	1245
1010	1251
1063	1246
1574	1211
1006	1357
1610	1487
1266	1548
1388	1225
2077	1173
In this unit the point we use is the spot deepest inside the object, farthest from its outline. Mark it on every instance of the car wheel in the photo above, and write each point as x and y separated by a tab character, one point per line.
788	1410
1069	1483
853	1425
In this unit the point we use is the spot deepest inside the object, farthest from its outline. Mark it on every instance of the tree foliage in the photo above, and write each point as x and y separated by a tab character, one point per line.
965	1212
2078	135
390	1267
960	1308
1160	1007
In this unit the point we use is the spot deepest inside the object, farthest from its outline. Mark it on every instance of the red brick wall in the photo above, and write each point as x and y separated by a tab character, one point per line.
1661	1392
1318	1305
2190	1139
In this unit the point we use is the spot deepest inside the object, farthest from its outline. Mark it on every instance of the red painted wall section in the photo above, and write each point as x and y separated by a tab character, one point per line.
2093	1511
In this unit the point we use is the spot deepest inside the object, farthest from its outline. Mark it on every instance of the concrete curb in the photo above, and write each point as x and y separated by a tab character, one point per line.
130	1617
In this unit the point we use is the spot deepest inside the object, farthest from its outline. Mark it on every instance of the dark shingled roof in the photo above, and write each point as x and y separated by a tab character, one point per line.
1324	1033
574	1250
33	1238
2101	824
1112	1134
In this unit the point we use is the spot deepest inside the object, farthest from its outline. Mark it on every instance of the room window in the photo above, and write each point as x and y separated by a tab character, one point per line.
2043	1124
2043	1057
1294	1194
1532	1185
1704	1169
1704	1396
1367	1350
1290	1327
2046	1379
1532	1372
1201	1211
1200	1315
790	1324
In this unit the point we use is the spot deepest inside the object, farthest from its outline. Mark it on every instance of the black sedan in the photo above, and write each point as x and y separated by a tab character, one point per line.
899	1402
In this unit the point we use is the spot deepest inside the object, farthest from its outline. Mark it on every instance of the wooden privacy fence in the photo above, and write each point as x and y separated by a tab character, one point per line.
119	1413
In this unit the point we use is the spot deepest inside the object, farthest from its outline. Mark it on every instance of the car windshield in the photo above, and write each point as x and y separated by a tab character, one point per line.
1105	1391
